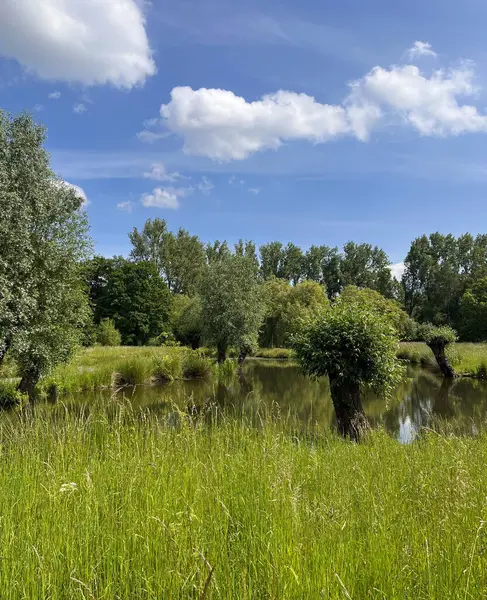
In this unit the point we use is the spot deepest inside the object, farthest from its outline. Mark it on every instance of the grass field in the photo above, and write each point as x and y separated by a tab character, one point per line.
120	507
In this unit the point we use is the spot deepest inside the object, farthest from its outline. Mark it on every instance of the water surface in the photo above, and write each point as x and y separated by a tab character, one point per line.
277	388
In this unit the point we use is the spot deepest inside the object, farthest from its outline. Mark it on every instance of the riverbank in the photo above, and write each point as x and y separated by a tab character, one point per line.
112	507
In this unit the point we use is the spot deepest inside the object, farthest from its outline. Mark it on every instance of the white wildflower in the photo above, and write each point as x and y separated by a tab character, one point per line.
68	488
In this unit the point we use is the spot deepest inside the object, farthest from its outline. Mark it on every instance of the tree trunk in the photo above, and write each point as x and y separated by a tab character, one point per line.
351	420
222	354
29	380
438	349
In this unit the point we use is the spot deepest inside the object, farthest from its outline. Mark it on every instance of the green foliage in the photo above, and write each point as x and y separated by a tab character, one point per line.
473	312
432	334
10	395
107	334
366	267
132	294
196	366
43	236
186	321
179	258
375	302
439	269
231	303
351	346
287	308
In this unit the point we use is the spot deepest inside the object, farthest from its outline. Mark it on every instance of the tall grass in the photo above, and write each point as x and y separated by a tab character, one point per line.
131	507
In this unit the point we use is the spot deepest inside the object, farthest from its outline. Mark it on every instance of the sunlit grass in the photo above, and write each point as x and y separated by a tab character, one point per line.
131	506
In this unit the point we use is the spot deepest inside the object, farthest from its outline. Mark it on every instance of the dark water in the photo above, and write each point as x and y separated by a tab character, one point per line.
277	388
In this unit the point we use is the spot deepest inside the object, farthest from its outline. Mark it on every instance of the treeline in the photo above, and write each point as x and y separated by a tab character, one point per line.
157	295
444	283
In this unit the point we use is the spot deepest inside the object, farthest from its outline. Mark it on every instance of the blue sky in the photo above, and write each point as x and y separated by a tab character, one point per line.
262	136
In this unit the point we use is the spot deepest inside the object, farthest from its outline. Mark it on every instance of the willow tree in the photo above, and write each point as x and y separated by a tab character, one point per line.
43	234
231	305
438	339
355	349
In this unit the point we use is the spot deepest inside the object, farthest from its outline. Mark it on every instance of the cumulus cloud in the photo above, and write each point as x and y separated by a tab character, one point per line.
79	109
158	173
223	126
165	197
419	49
125	206
54	95
92	42
429	104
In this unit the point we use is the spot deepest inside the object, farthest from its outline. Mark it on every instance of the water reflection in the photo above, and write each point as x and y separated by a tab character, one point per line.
278	389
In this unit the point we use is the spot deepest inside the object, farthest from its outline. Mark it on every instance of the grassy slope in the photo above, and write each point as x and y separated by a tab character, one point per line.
155	509
467	359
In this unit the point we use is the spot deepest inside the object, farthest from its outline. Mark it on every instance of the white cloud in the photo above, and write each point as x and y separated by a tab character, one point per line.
255	191
54	95
125	206
222	126
158	173
232	179
397	270
429	104
93	42
165	197
38	107
419	49
205	186
218	124
79	109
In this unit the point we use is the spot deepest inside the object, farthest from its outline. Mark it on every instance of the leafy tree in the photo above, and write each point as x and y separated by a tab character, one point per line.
272	260
186	320
231	303
438	338
180	258
354	348
217	251
322	264
287	307
107	334
364	298
132	294
248	249
473	312
293	264
367	267
43	236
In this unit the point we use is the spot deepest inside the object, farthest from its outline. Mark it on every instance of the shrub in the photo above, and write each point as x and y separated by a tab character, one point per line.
107	334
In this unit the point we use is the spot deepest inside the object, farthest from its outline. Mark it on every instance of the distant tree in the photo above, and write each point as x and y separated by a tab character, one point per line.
322	264
365	298
272	260
186	320
43	236
132	294
354	348
231	303
293	266
365	266
287	307
217	251
438	338
180	258
473	312
107	334
248	249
